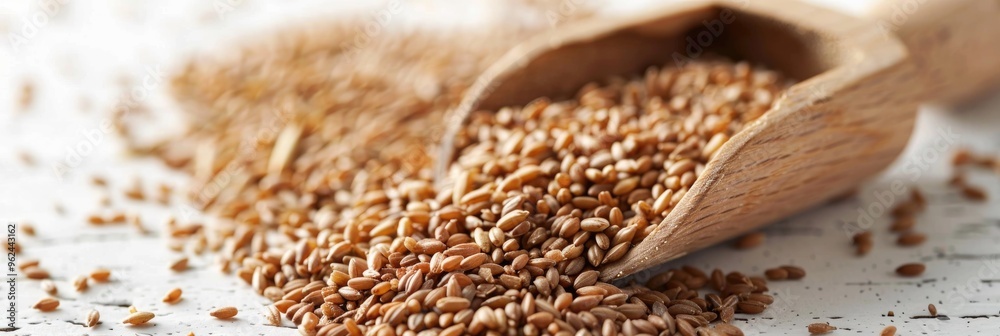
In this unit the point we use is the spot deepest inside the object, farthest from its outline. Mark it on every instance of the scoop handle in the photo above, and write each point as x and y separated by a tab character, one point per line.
953	44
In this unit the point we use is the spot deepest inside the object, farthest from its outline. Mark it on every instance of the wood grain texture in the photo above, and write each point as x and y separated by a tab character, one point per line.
848	118
952	42
827	135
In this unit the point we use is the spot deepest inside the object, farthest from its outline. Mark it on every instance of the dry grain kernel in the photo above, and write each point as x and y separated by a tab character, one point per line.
794	272
138	318
751	307
911	239
49	287
888	331
974	193
47	304
539	196
173	296
101	275
911	269
750	241
223	313
776	274
821	328
80	283
36	273
93	318
932	309
179	265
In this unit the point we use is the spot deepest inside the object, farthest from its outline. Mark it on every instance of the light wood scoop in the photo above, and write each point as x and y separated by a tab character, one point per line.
849	116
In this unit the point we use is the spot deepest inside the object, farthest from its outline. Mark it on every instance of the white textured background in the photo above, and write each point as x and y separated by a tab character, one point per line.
78	58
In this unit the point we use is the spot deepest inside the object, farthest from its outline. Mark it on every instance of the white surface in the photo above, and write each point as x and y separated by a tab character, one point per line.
77	59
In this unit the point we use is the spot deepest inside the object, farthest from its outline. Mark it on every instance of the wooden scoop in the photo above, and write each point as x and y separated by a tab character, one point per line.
848	117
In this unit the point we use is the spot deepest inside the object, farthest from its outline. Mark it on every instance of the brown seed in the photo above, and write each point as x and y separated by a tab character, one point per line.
766	299
678	309
179	265
587	278
728	329
49	287
541	319
962	157
911	269
932	309
903	223
726	315
861	237
888	331
974	193
750	240
864	247
685	328
794	272
355	199
28	229
361	283
751	307
28	263
821	328
891	313
138	318
776	274
93	318
36	273
100	274
223	313
911	239
452	304
594	224
273	315
512	219
46	304
454	330
173	296
80	283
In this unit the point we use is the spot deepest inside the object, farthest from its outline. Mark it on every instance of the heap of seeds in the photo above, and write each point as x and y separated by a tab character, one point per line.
329	210
596	174
541	196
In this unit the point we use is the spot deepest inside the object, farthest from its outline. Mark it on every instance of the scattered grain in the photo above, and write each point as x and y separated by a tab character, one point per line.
539	196
92	319
49	287
911	239
27	229
36	273
138	318
911	269
173	296
80	283
776	274
750	241
794	272
101	275
46	304
974	193
821	328
179	265
223	313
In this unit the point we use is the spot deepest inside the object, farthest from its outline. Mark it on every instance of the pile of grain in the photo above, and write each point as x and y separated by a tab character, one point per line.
317	157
